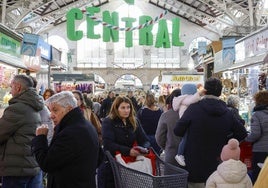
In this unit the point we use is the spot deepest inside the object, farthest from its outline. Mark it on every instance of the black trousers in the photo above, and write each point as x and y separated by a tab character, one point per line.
257	157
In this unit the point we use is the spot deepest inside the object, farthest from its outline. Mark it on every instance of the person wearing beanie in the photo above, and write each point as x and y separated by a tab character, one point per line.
231	172
180	104
209	124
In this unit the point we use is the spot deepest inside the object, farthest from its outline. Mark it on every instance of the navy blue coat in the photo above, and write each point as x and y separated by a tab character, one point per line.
71	159
118	137
209	125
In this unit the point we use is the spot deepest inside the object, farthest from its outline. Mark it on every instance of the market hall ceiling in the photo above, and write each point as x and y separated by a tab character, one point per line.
225	17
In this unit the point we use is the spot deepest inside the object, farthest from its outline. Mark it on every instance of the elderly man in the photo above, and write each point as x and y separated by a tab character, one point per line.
71	158
18	166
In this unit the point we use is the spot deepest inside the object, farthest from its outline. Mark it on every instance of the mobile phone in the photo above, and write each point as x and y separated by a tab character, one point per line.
141	149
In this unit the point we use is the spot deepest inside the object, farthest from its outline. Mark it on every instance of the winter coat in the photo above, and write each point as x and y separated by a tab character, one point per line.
259	129
46	119
209	125
71	158
118	137
106	107
235	112
230	174
181	102
165	136
262	180
17	129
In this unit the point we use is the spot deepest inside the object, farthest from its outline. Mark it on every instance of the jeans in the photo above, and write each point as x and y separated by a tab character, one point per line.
23	181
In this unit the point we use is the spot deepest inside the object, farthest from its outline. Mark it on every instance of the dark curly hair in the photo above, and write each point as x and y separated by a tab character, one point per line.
261	98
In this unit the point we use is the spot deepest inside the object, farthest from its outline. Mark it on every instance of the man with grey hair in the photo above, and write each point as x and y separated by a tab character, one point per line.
18	166
71	158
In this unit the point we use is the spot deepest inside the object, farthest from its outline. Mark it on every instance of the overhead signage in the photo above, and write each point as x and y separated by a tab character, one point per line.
111	28
182	79
31	43
9	45
256	44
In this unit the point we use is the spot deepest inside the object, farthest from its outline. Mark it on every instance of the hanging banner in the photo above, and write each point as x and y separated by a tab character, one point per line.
45	49
228	52
202	47
130	2
110	21
29	44
9	45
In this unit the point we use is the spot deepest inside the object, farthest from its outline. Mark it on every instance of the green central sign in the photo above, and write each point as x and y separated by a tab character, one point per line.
111	32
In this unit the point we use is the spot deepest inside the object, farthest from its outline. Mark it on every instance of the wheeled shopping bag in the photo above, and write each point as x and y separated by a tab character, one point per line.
246	153
125	177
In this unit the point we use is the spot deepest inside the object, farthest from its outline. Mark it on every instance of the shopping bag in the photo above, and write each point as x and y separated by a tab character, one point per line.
246	153
141	163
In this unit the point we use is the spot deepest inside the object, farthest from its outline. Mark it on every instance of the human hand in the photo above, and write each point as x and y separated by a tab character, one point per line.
202	92
134	153
42	130
141	149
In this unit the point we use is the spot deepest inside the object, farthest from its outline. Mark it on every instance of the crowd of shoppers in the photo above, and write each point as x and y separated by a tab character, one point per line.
81	127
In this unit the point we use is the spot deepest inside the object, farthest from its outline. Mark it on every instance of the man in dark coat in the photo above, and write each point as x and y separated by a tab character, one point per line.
106	105
133	100
71	158
18	166
209	125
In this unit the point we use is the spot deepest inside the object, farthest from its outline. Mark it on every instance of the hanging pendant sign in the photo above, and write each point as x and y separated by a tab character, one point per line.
111	28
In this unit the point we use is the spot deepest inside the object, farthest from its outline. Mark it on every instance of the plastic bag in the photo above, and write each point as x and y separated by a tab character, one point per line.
142	164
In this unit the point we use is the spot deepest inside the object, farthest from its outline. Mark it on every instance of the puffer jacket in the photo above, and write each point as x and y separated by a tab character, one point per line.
230	174
259	129
181	103
17	128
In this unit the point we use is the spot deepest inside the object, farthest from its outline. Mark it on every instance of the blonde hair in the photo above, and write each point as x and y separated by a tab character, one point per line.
150	100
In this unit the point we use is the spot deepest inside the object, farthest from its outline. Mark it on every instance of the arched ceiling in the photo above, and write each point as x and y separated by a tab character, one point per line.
224	17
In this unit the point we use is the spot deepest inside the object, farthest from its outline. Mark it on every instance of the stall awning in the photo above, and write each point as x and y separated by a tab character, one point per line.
12	61
263	58
72	77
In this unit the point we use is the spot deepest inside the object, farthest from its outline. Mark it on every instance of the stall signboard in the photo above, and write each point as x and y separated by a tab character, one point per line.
256	44
9	45
171	82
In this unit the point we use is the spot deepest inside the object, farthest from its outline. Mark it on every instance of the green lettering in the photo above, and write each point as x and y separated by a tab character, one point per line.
176	32
91	23
108	33
162	37
129	34
145	34
72	15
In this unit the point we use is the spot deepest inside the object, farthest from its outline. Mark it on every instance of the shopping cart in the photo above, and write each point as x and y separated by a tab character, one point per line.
125	177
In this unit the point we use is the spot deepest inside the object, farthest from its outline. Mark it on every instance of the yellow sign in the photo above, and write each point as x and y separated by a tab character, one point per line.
186	78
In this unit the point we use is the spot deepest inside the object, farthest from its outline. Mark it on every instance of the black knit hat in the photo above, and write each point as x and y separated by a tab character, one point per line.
213	86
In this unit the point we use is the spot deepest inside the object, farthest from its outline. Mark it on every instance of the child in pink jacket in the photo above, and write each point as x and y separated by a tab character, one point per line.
180	104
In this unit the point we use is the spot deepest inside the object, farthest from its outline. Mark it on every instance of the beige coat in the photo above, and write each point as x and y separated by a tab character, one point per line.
230	174
262	181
